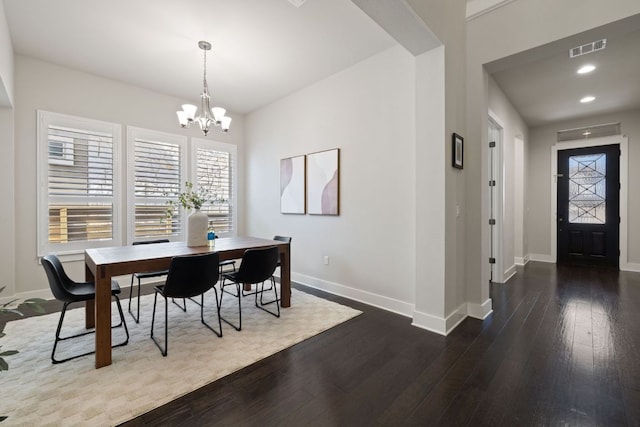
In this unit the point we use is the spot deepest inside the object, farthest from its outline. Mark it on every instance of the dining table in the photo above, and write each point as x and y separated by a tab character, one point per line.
102	264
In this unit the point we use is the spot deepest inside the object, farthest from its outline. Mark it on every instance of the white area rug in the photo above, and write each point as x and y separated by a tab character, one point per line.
36	393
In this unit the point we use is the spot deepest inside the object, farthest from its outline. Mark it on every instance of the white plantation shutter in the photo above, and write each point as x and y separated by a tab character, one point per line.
156	170
77	177
214	168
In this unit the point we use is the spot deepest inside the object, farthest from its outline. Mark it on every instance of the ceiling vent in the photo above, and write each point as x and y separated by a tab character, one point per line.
587	48
297	3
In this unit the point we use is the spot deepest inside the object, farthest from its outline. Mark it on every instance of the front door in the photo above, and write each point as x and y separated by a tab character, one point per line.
588	205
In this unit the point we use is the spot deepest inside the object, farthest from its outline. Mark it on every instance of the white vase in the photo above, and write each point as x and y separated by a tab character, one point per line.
197	229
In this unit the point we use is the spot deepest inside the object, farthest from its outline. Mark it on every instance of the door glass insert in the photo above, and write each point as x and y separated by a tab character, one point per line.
587	188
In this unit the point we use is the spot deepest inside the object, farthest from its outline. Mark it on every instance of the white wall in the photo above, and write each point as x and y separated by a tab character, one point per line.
539	180
6	61
7	215
368	112
512	157
41	85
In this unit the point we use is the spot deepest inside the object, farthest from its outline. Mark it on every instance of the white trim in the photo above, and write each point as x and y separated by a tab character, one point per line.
42	293
509	273
455	318
498	202
476	8
480	311
631	266
542	258
624	189
521	261
439	325
429	322
385	303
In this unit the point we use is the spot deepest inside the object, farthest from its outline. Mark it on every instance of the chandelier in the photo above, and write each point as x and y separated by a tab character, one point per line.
208	116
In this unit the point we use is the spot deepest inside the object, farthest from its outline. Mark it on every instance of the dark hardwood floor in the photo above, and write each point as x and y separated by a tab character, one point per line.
562	347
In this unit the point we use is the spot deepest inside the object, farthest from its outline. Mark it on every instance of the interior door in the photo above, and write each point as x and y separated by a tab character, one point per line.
588	217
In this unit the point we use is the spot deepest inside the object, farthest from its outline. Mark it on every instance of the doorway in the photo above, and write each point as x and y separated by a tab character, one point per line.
588	205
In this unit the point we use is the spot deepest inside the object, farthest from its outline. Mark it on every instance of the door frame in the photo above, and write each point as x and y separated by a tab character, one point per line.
624	171
498	199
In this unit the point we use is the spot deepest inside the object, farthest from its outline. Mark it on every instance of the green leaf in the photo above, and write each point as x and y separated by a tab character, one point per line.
9	353
9	303
11	310
4	366
3	417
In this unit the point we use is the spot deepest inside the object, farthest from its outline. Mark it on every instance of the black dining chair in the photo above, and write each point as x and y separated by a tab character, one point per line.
188	277
66	290
257	266
285	239
144	275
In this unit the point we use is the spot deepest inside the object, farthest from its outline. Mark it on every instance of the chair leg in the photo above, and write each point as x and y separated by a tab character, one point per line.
238	294
182	307
217	311
122	322
261	305
136	316
58	330
153	318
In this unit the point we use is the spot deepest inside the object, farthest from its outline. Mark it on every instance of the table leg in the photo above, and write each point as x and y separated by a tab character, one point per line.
103	319
285	278
89	307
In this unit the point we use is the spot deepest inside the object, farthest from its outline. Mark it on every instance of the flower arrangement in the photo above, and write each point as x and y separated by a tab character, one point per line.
189	199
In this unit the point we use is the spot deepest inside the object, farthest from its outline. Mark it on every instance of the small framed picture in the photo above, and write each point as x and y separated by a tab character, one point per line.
457	146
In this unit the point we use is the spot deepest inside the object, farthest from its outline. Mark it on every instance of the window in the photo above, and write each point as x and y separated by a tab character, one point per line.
78	181
80	174
156	175
214	167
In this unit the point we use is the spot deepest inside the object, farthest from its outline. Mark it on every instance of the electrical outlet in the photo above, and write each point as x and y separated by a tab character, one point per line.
326	260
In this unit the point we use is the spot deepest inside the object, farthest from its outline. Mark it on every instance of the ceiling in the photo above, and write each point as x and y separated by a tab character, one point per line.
266	49
542	83
262	49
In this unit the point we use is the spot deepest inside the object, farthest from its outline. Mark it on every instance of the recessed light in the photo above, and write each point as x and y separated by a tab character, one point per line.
586	69
586	133
587	99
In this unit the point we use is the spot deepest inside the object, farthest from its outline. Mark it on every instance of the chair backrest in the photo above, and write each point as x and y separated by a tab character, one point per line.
282	238
191	275
59	282
258	265
148	242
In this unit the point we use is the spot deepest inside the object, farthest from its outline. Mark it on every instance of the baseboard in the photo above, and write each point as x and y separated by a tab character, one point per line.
521	261
480	311
542	258
42	293
385	303
509	273
429	322
630	266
